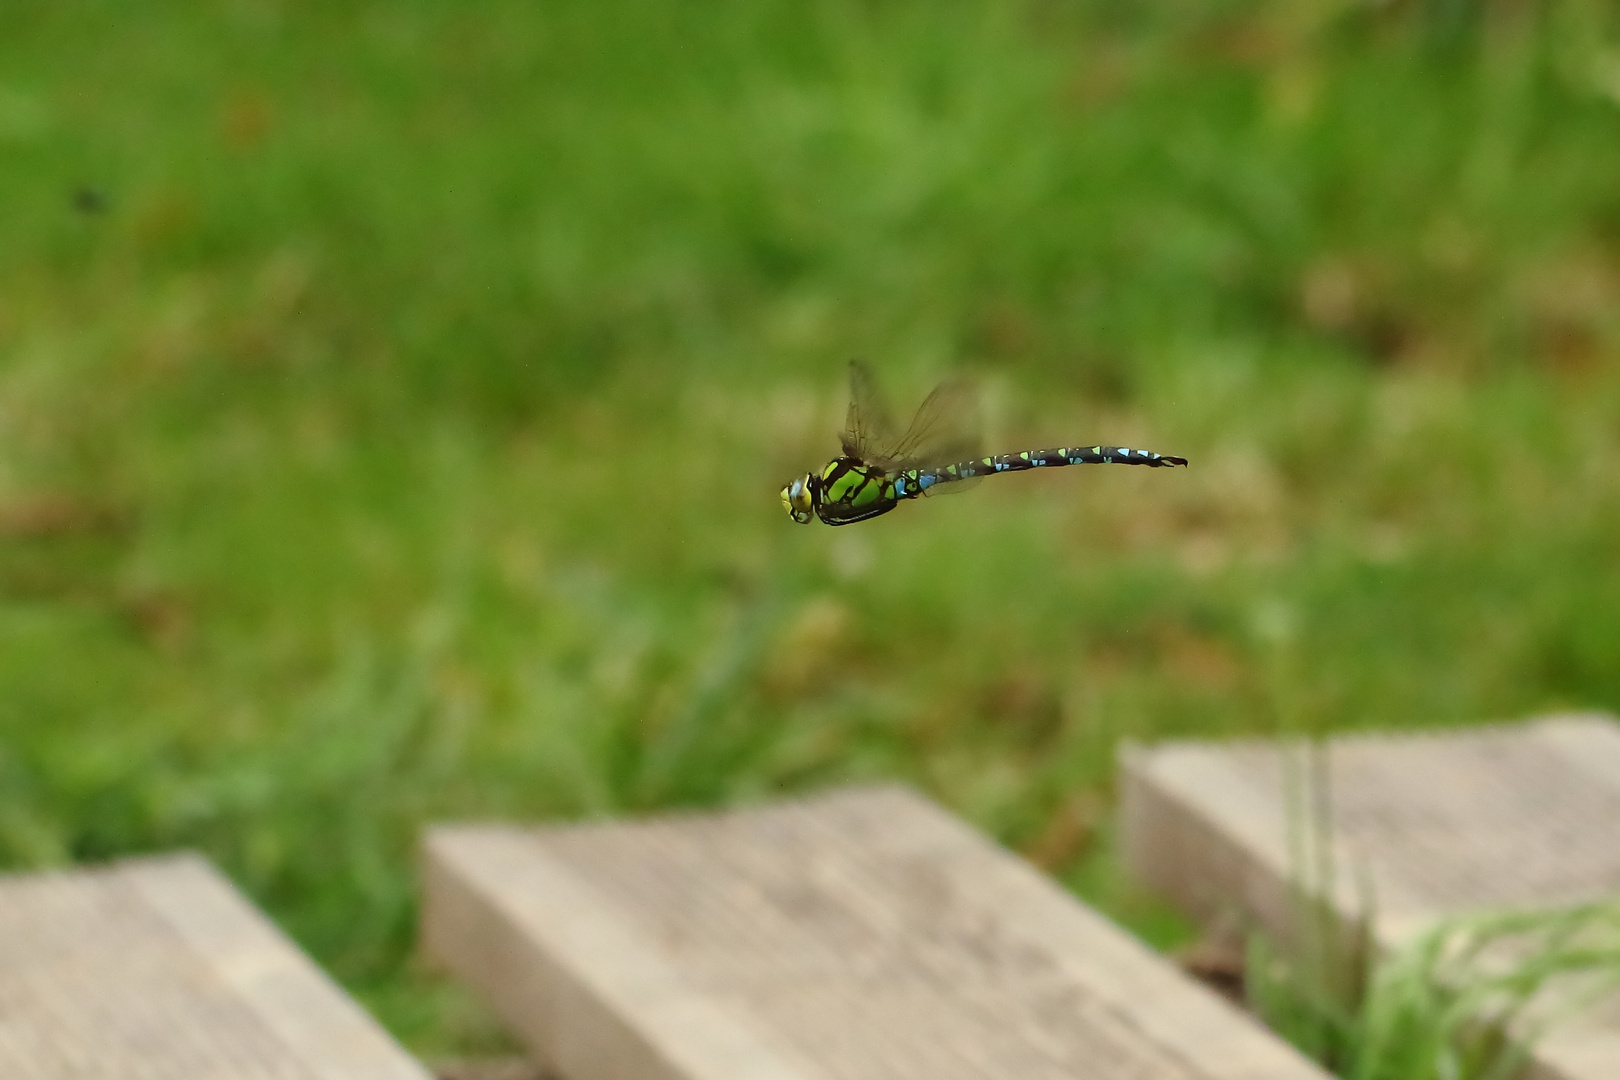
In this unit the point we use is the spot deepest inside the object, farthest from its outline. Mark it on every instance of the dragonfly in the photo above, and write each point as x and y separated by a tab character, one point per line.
879	469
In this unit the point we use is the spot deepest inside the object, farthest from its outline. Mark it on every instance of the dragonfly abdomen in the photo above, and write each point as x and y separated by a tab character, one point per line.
915	482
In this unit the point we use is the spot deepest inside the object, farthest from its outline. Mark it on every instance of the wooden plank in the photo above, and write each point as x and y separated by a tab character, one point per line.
861	935
1425	825
158	969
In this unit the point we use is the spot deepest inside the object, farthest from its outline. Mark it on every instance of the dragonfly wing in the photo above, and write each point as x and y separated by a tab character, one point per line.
868	431
945	429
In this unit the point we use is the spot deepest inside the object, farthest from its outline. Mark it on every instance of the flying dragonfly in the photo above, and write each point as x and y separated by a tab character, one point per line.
939	452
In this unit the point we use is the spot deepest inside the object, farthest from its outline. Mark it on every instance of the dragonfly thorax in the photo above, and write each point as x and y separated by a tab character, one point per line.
849	490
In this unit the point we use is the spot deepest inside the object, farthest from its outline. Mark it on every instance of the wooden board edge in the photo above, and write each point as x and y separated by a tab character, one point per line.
1171	844
1168	844
1206	1035
573	985
285	989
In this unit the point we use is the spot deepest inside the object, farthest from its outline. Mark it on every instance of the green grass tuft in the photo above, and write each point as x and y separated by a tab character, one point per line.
1466	1000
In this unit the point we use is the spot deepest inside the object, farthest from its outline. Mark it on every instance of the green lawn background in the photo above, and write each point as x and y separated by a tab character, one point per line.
393	400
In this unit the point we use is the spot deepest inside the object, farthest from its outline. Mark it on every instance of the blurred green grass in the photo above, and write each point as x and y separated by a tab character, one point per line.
393	400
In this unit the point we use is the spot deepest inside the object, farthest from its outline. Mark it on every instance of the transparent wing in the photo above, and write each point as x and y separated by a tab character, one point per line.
868	431
945	429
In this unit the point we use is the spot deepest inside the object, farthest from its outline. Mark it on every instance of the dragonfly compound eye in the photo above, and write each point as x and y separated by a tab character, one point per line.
796	500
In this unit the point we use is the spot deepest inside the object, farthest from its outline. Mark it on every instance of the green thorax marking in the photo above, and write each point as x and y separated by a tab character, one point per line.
852	490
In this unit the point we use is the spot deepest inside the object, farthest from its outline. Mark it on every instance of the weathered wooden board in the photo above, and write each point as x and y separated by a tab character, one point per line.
862	935
1422	826
157	969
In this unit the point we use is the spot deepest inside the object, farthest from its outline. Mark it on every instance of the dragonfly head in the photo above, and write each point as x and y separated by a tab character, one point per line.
797	500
